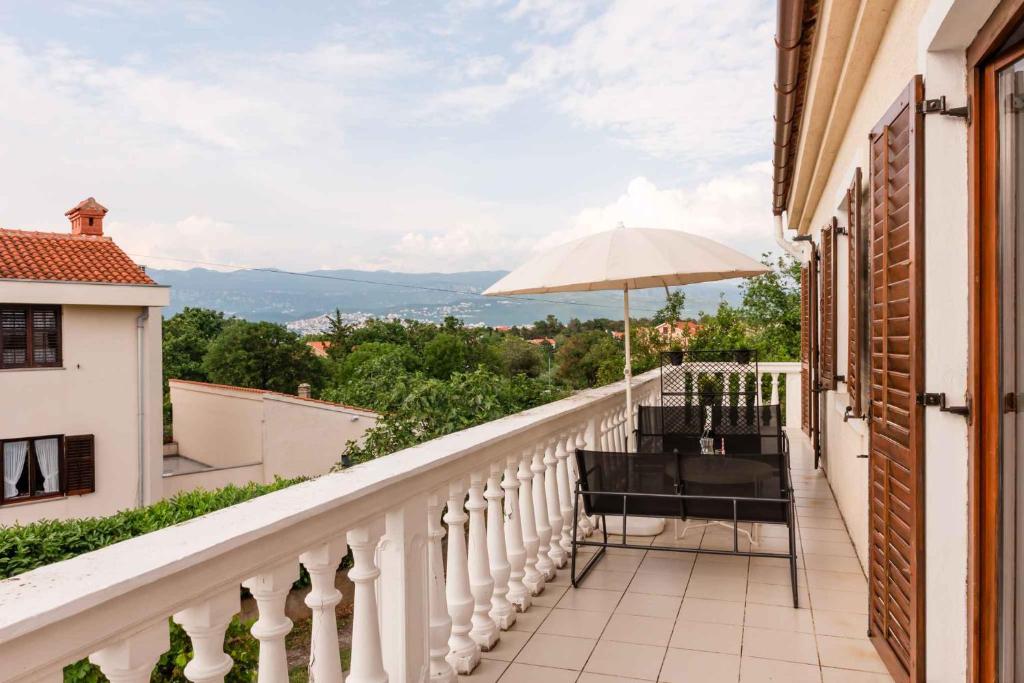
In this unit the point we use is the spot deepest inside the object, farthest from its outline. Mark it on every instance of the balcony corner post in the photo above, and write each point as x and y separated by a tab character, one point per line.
133	659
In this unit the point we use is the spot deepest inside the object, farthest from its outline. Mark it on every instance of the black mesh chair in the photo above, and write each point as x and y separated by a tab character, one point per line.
744	487
744	429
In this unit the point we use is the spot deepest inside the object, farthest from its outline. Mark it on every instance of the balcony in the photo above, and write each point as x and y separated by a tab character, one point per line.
487	596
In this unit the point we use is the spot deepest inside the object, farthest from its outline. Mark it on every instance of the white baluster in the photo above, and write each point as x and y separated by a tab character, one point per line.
585	524
502	611
367	658
533	579
775	387
465	653
518	593
440	621
270	589
485	631
324	655
206	623
565	492
759	393
741	389
556	552
540	510
133	659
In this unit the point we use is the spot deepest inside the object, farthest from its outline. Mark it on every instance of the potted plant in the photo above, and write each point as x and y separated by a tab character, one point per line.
709	392
743	356
675	353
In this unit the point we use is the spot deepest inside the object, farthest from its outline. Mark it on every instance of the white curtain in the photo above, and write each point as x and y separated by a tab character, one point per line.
14	463
48	455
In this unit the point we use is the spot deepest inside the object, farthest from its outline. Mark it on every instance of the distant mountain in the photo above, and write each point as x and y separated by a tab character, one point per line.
285	297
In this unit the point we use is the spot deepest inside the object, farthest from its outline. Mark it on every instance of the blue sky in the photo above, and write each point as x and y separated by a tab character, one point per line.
415	136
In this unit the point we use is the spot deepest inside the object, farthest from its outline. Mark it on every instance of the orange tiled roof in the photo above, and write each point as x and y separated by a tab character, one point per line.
27	255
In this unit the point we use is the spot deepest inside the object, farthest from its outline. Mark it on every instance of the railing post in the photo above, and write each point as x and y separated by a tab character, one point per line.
793	399
440	621
206	623
465	653
485	631
502	611
133	659
540	510
270	589
565	492
555	448
324	657
775	386
367	658
533	578
518	594
404	607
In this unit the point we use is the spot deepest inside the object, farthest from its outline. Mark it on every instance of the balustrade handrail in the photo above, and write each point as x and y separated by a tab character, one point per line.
70	604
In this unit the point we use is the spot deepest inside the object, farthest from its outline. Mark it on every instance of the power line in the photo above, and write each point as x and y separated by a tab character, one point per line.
425	288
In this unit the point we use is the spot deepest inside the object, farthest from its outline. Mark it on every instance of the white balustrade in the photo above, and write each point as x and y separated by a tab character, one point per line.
465	653
503	613
270	590
414	615
440	621
518	593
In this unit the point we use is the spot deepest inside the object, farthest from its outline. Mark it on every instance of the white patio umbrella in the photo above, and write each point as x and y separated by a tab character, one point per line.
627	258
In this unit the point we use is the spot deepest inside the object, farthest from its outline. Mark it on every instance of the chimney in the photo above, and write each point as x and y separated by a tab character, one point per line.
305	391
87	217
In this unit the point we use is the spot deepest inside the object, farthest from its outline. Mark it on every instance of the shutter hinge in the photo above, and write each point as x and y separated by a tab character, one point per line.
938	106
930	399
1010	403
848	415
840	230
841	378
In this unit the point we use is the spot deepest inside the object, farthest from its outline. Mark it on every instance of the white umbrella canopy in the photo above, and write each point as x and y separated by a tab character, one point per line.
625	259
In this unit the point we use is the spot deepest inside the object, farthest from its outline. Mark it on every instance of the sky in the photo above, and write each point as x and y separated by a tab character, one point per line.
374	134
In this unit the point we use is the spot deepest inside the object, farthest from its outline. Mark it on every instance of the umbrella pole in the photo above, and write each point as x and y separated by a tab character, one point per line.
628	371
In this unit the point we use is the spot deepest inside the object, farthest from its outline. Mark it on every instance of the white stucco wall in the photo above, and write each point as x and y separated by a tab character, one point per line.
219	427
95	392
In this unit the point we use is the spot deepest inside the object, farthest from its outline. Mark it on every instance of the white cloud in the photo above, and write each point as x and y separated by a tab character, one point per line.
549	16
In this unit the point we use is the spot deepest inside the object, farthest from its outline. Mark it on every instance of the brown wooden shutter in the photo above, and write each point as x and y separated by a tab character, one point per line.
805	350
828	306
855	285
896	466
79	464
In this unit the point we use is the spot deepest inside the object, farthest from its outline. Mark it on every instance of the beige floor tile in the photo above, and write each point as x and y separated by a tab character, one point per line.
664	565
832	535
842	624
590	599
530	619
780	576
629	628
648	605
604	579
775	545
550	596
773	562
620	563
755	670
626	659
575	623
508	646
772	531
717	588
559	652
844	549
562	578
488	671
720	570
842	581
832	563
839	601
847	676
849	653
524	673
781	618
822	523
771	594
658	583
718	560
624	552
789	646
586	677
717	542
693	666
695	635
711	611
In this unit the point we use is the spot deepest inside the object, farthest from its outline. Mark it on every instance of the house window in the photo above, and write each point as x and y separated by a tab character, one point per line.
30	336
32	467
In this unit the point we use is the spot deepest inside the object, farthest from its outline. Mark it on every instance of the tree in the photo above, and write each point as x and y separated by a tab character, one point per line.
771	306
724	330
521	358
186	339
262	355
673	308
581	356
445	355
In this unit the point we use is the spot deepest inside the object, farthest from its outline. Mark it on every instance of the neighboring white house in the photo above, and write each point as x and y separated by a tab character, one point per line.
898	153
80	374
235	435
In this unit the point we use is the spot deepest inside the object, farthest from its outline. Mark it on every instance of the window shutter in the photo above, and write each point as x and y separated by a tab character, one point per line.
828	306
79	464
14	337
856	284
45	335
808	296
896	575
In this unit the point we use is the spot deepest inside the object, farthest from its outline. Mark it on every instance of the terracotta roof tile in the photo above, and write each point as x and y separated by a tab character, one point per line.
27	255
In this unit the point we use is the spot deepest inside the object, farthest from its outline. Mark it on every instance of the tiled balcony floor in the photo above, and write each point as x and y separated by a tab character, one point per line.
660	616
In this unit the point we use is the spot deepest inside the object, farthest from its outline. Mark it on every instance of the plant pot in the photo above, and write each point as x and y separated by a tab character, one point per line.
743	356
675	357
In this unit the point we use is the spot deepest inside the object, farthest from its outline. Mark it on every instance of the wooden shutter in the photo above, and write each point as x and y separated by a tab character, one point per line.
14	337
79	464
805	350
896	467
828	305
855	285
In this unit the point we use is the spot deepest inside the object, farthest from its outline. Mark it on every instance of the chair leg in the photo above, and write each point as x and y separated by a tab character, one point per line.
792	554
